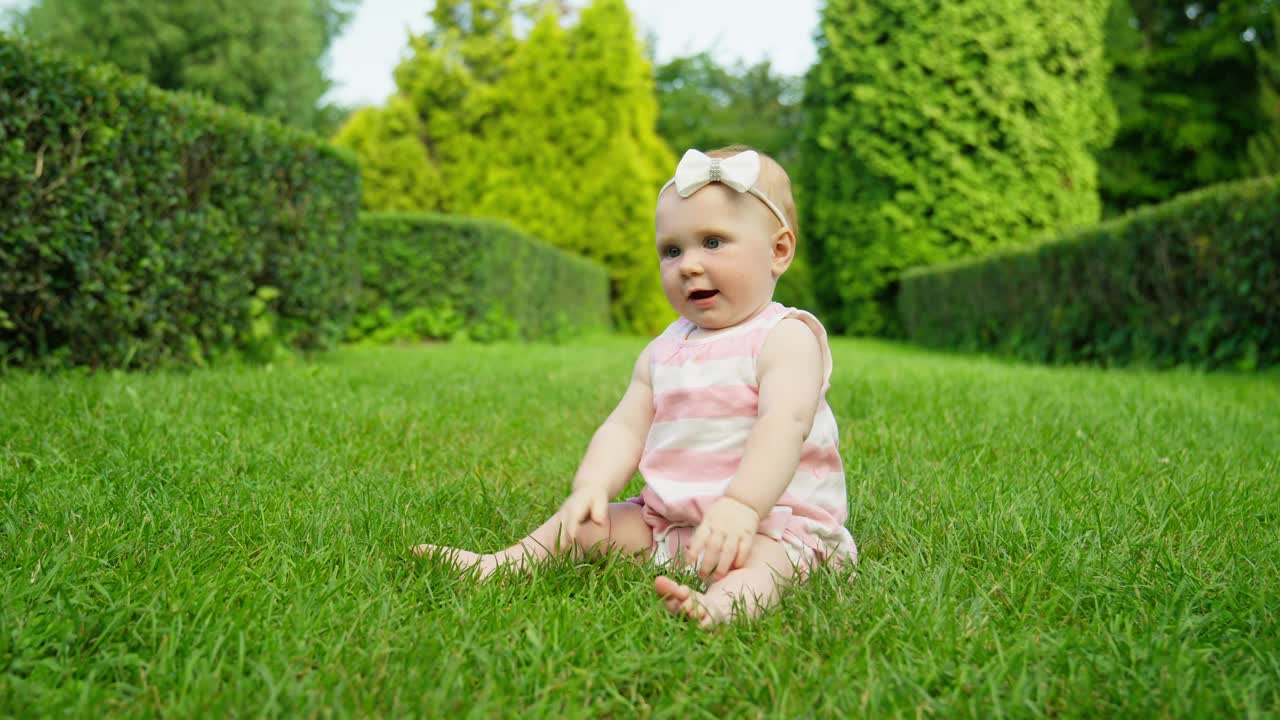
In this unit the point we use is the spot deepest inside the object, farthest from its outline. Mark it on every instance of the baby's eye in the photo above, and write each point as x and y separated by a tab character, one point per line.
711	243
670	251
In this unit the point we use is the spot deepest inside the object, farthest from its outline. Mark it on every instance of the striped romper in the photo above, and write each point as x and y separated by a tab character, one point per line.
706	399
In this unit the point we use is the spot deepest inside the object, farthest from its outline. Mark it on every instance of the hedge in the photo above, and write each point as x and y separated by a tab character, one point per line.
437	276
1195	281
142	228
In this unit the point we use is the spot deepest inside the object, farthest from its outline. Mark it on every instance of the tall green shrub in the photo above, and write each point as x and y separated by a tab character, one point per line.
616	162
943	129
447	80
1264	148
554	133
262	56
139	227
396	171
1185	83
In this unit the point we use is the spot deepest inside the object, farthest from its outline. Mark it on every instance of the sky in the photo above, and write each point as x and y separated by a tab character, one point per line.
363	57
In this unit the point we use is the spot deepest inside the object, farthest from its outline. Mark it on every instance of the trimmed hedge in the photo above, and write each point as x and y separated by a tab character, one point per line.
1195	281
436	276
141	228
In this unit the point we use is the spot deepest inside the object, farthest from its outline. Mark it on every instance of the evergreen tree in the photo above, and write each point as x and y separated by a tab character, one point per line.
260	55
449	83
450	78
1264	148
553	133
702	104
395	171
525	175
575	157
1185	83
620	160
941	130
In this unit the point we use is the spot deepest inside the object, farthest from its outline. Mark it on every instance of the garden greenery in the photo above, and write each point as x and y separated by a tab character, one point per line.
1195	281
428	276
941	130
553	132
141	228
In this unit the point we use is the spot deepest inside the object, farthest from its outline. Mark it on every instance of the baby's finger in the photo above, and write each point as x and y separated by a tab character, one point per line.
696	544
600	511
744	552
568	528
570	523
727	557
711	555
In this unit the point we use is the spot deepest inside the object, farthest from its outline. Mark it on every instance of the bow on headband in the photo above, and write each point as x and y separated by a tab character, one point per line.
739	172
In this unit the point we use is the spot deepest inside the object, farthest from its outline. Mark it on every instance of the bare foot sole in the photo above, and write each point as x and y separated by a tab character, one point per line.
680	599
464	560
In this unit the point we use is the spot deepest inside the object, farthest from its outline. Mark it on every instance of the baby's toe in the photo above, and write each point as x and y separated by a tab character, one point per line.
694	609
673	594
668	588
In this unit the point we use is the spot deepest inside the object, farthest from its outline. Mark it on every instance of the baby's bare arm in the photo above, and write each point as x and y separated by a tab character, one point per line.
614	453
790	371
612	457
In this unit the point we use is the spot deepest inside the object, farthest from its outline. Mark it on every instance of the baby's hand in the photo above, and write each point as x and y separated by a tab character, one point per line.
723	540
584	504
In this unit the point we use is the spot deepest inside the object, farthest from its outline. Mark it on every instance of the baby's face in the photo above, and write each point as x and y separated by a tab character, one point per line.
718	254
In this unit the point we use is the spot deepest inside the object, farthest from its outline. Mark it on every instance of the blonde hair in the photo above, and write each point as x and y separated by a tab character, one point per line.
773	182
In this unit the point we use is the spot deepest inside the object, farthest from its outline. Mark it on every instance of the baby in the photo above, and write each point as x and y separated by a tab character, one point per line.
725	416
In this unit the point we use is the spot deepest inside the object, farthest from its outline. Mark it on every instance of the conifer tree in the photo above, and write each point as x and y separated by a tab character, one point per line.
1185	83
264	56
525	174
577	160
395	170
554	133
448	82
942	129
1264	148
450	78
619	157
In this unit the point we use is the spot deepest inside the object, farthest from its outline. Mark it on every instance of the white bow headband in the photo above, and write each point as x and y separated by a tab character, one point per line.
739	172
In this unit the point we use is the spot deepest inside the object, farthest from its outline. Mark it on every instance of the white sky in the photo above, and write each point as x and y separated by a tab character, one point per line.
362	58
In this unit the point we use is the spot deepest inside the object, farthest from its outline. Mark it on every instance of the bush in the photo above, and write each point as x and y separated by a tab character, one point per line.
439	276
140	227
1195	281
941	130
551	129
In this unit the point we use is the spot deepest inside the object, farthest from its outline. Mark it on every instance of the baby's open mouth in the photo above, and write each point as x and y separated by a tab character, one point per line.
703	294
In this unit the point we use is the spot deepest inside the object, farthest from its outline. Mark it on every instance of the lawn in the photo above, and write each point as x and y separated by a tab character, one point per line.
1035	541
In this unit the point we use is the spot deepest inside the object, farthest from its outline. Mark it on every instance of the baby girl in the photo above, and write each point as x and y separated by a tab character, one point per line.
725	416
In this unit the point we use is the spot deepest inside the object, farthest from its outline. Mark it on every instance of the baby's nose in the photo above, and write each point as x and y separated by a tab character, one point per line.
690	264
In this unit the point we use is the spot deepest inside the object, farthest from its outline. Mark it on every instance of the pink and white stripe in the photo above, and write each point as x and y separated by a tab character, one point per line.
706	400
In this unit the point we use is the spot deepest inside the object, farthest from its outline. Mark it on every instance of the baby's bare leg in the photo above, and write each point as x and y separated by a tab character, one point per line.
627	531
750	590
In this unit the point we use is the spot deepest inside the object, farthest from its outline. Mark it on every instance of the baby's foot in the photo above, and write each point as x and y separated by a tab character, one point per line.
680	599
465	560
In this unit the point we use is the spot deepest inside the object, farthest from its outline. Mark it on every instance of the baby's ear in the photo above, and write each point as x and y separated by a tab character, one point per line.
784	251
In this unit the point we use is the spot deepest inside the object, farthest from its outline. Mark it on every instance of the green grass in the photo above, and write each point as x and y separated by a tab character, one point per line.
1034	541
